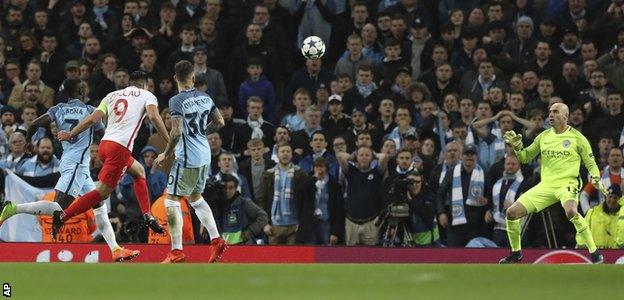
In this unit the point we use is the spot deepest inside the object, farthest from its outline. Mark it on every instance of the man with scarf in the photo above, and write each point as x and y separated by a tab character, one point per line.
463	202
255	128
322	222
239	219
451	157
404	128
360	94
489	136
613	173
505	191
301	138
279	195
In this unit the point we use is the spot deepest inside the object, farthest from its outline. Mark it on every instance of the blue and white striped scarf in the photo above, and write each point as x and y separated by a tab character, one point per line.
281	205
397	137
510	197
475	189
321	199
606	180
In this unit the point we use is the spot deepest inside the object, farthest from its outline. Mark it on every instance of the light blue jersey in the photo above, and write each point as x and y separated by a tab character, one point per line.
74	167
192	151
67	116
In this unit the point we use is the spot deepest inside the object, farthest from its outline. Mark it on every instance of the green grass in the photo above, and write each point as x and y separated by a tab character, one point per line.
313	281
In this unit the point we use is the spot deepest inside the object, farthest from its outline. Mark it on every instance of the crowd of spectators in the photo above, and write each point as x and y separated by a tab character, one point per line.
313	150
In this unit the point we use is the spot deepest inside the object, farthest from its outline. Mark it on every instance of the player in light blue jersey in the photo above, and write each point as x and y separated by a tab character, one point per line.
75	176
193	117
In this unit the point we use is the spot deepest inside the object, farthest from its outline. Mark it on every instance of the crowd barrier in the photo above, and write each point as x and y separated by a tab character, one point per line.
94	253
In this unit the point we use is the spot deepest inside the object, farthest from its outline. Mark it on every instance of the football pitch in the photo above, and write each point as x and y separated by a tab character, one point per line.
310	281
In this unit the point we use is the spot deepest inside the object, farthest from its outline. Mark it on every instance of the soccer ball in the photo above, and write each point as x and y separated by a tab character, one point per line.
313	47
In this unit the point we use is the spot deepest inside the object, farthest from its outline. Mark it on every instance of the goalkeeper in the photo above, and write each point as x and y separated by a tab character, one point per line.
561	148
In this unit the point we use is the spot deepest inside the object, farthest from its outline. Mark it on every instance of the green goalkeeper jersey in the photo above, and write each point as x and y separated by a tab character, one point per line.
561	156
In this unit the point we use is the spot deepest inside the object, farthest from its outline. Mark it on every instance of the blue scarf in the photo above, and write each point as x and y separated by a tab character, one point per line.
366	90
281	212
321	199
99	16
397	137
475	189
606	180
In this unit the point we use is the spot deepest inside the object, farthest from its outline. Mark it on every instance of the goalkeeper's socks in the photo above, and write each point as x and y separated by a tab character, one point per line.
142	194
82	204
513	233
104	226
175	222
582	229
45	208
204	214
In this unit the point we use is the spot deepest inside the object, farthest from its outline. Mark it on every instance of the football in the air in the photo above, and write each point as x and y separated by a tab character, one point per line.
313	47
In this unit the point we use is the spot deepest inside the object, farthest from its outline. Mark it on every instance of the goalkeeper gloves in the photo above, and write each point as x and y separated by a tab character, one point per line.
513	139
597	183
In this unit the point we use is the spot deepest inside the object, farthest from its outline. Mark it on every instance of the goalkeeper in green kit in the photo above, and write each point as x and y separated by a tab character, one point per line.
561	149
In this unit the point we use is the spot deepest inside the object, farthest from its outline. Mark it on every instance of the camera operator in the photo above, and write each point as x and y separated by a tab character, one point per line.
424	227
409	217
239	219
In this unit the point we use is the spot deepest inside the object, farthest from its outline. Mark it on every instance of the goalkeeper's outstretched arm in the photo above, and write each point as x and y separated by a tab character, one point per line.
525	155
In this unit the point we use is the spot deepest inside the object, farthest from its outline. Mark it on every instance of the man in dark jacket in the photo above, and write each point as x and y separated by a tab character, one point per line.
239	219
323	197
280	196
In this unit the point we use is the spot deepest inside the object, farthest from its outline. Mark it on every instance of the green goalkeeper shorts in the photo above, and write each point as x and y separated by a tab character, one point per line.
541	196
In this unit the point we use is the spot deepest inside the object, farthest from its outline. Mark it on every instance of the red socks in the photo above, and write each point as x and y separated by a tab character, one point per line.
81	205
142	195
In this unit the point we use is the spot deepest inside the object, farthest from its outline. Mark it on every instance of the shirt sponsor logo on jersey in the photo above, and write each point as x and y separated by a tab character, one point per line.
556	153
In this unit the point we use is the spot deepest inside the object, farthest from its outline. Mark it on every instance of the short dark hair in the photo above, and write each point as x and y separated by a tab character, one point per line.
321	162
254	62
183	70
229	178
383	14
317	132
365	67
71	88
458	124
50	34
391	42
188	27
137	78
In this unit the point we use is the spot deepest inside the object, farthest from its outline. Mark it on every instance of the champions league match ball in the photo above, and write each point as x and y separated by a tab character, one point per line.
313	47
